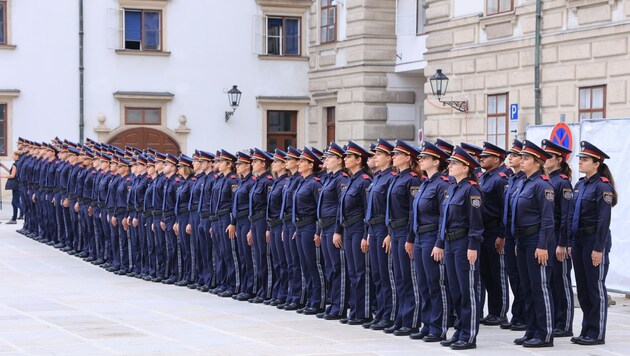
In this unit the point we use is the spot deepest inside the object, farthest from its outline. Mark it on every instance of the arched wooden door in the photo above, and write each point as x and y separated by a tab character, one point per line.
144	137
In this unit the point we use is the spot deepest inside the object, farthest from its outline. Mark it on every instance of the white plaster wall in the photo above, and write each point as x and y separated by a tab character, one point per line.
410	47
468	7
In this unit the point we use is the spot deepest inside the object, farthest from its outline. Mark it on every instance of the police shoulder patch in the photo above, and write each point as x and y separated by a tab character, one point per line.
567	193
234	187
414	190
343	186
475	201
549	195
608	197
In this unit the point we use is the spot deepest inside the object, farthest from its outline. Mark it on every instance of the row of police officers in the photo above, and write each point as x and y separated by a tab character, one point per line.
411	241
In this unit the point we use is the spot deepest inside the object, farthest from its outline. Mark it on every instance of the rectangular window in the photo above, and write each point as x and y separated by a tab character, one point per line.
143	30
281	129
3	22
330	124
143	116
592	102
420	16
328	25
498	6
3	129
283	36
497	120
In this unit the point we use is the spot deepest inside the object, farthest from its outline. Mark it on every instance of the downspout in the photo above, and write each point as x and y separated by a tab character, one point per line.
81	70
537	90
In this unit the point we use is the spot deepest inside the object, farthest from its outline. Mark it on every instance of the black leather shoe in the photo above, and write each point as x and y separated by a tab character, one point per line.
418	336
391	329
241	297
562	333
575	339
344	320
535	342
358	321
312	311
321	315
449	342
333	317
432	338
521	340
492	320
588	341
506	325
169	281
192	286
382	325
368	324
204	289
405	331
301	310
463	345
132	274
156	279
256	300
276	302
290	307
518	327
122	272
99	261
267	301
226	294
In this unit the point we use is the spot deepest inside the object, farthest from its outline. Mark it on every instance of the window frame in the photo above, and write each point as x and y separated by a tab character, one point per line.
5	20
420	9
283	36
590	109
283	134
331	122
323	7
144	122
496	116
499	11
4	111
142	31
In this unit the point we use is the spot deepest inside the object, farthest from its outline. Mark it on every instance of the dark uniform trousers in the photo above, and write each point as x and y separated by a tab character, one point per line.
170	244
149	259
139	245
229	253
296	276
208	254
184	249
261	251
311	260
198	246
123	243
87	230
98	231
220	266
383	274
562	291
69	232
115	243
160	247
493	272
249	281
518	304
336	272
406	281
107	231
358	265
279	261
60	231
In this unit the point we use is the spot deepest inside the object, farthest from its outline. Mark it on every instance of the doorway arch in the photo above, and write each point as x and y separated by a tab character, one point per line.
144	137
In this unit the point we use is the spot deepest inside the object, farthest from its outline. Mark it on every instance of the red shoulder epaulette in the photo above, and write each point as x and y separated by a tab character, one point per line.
413	174
564	176
269	178
344	174
445	179
365	176
393	173
545	178
479	174
502	175
472	182
424	177
604	179
316	178
193	179
177	179
233	176
254	177
149	176
128	179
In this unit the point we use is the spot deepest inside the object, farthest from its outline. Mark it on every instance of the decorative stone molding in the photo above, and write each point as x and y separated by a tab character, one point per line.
182	129
101	128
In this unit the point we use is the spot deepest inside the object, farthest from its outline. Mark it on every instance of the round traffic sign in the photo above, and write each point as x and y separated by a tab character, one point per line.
561	135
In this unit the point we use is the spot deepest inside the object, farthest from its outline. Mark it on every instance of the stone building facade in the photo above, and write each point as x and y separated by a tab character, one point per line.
488	54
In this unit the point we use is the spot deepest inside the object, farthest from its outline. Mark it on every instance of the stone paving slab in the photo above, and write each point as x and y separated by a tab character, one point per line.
55	304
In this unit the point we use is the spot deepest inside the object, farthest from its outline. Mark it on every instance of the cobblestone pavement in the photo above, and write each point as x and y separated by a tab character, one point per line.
53	303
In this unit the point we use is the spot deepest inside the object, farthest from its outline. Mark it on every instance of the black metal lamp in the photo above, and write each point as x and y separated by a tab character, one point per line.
234	97
439	84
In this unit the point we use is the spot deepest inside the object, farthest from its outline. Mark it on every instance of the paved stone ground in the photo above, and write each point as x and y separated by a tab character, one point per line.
53	303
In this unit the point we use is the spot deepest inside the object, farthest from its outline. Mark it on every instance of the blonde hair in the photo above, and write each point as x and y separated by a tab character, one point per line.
17	153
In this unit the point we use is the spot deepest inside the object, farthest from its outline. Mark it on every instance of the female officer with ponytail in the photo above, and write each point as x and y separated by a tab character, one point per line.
533	229
559	174
460	236
589	220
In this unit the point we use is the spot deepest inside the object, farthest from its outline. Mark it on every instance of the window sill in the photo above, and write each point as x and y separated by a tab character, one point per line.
130	52
8	47
271	57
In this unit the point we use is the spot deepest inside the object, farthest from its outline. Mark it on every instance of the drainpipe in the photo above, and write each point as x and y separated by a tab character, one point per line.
81	70
537	90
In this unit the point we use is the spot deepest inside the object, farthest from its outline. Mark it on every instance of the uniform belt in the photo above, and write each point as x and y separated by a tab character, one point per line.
426	228
223	212
139	210
86	200
585	231
120	211
491	224
352	220
455	234
214	217
100	205
242	213
286	217
183	211
326	222
157	212
379	219
204	214
194	207
258	216
398	223
274	222
111	210
526	230
147	213
299	222
168	214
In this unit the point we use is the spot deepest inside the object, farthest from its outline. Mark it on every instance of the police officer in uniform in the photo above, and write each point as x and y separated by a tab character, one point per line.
589	222
121	211
274	222
198	241
182	217
208	274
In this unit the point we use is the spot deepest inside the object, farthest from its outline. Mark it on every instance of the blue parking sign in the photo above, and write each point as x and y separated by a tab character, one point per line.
513	111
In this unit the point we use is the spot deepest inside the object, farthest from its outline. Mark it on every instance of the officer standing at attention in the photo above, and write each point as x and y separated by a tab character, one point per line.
198	246
382	265
594	197
461	234
121	211
149	260
493	270
351	225
429	260
182	216
208	275
400	195
559	174
274	221
533	229
172	181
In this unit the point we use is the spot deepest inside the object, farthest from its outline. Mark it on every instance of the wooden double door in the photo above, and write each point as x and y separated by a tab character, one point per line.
144	137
